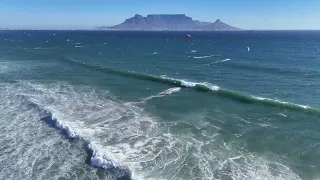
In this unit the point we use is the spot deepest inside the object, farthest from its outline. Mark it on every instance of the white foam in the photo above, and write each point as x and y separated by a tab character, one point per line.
63	126
193	51
154	53
248	48
203	57
170	91
281	102
282	114
188	83
211	86
225	60
78	46
100	158
215	62
163	93
193	84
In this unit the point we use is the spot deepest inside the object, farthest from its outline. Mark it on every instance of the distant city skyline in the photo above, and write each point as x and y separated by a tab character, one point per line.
87	14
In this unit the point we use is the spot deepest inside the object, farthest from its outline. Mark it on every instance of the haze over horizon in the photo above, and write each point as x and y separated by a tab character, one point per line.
83	14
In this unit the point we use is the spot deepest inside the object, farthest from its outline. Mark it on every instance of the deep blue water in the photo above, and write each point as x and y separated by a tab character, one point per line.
154	105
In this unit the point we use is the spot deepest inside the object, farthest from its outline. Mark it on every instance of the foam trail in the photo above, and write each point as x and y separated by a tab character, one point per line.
203	57
170	91
203	87
78	46
193	51
225	60
215	62
163	93
154	53
45	48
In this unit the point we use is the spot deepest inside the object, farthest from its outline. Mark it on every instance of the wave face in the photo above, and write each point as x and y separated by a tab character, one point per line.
203	87
117	136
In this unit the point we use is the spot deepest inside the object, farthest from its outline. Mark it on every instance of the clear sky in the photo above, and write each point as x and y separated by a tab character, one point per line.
245	14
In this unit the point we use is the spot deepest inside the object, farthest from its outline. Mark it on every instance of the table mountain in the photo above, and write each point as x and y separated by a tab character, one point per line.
168	22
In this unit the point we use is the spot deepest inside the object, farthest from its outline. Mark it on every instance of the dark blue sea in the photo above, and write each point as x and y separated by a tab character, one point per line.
157	106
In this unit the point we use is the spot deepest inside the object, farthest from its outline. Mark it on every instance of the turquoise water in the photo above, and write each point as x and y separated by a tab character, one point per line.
154	105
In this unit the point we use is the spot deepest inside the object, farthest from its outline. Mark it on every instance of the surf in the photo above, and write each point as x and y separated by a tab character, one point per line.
124	139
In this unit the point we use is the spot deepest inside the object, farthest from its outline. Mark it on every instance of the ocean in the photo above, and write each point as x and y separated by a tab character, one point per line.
157	106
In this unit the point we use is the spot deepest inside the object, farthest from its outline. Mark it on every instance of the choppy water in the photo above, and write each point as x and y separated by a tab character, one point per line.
153	105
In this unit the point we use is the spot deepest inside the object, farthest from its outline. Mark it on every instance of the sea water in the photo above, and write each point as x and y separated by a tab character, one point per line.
154	105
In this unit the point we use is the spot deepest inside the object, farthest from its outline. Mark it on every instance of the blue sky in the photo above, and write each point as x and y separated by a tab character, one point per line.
246	14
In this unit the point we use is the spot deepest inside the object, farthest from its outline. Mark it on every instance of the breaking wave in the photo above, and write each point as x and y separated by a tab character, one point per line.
99	158
202	87
50	103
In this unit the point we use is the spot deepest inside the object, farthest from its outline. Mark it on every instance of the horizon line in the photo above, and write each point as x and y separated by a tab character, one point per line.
92	29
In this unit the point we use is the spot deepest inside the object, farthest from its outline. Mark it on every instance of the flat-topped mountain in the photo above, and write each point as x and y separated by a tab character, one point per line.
168	22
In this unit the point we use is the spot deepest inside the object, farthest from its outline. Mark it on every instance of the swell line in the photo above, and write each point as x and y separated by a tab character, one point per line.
202	87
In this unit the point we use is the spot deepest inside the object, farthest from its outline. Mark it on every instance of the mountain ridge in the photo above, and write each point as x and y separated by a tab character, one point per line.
168	22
